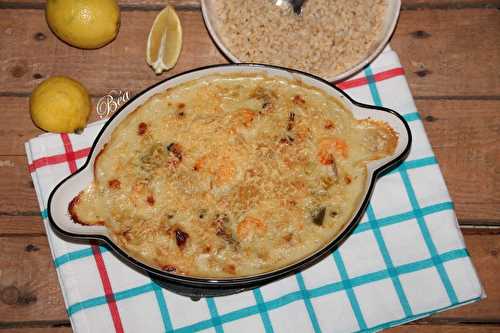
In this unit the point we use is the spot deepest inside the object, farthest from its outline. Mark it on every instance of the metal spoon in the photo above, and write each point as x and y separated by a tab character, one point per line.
296	4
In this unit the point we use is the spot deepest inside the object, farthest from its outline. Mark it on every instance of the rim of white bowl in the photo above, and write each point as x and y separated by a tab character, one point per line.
393	17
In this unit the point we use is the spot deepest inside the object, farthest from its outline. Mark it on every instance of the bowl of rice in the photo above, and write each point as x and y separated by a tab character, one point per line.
332	39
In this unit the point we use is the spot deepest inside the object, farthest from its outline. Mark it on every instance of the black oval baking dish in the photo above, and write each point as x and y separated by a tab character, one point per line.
196	287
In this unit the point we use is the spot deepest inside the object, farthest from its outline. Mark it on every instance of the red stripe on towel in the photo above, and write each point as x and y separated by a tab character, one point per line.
70	154
108	291
399	71
101	267
57	159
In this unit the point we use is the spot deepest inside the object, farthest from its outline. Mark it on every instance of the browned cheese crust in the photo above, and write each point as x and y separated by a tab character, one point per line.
232	175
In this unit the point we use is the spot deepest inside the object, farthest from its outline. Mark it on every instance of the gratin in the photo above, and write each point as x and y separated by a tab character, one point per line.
231	175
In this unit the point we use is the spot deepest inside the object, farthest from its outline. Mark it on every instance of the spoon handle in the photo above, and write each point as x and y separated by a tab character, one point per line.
297	6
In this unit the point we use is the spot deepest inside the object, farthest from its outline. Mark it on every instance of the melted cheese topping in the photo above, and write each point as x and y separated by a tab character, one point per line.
231	175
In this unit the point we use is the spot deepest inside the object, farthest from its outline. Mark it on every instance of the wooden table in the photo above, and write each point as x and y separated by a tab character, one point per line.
450	50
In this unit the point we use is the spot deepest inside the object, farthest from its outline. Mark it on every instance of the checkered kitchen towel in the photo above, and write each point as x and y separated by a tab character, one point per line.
404	261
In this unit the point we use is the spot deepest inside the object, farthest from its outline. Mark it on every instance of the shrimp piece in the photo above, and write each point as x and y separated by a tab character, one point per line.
246	116
327	149
250	227
222	168
341	147
224	172
241	119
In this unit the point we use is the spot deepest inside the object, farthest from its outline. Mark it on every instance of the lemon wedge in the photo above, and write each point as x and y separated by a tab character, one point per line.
164	41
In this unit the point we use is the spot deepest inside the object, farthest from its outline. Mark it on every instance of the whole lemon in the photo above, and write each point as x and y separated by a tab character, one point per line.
87	24
60	104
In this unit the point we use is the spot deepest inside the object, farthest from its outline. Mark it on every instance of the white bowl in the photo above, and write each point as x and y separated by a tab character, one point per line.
390	21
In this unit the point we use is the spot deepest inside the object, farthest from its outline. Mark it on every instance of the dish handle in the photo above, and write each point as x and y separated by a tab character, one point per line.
58	213
396	122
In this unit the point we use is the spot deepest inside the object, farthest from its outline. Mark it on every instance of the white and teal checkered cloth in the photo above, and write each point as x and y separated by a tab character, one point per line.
405	260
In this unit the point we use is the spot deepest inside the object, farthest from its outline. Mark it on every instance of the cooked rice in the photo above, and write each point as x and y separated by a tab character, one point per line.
329	38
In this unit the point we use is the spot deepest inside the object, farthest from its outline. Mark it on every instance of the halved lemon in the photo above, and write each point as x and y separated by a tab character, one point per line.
164	41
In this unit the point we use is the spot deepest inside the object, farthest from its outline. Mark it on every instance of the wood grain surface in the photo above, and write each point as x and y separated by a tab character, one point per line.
429	328
39	327
195	4
422	39
450	50
465	138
